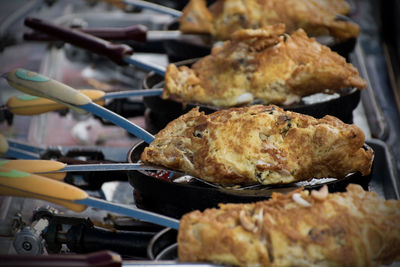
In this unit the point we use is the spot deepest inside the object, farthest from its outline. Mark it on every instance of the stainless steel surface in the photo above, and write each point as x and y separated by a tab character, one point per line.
374	114
138	92
154	7
196	39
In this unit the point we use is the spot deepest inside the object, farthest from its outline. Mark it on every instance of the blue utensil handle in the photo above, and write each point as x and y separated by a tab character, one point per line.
131	212
45	87
145	65
120	121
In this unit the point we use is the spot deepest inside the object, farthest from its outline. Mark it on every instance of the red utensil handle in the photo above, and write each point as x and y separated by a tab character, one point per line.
136	33
37	36
115	52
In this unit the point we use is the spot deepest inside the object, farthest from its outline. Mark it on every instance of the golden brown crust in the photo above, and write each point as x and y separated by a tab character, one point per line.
224	17
259	144
196	18
261	65
272	32
355	228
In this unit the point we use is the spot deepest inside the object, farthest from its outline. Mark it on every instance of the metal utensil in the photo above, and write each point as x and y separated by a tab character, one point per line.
154	7
23	184
38	85
51	166
29	105
138	33
119	53
15	150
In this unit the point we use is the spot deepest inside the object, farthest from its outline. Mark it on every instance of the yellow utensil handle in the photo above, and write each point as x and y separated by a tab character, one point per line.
32	105
19	183
17	193
3	144
41	86
32	166
28	105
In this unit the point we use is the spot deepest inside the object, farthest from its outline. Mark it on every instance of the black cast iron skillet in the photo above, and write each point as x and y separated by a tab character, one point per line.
178	50
154	191
163	111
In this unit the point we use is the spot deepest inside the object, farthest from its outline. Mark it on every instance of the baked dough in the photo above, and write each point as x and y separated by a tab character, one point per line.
316	17
259	144
263	65
356	228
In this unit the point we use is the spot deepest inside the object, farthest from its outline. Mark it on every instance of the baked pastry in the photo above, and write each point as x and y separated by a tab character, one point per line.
259	144
224	17
263	65
355	228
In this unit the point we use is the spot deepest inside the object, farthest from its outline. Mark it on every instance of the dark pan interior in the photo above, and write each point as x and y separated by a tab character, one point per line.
175	199
163	245
178	50
163	111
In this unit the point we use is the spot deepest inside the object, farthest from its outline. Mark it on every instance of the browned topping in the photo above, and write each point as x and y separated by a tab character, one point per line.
259	144
321	194
225	17
262	65
355	228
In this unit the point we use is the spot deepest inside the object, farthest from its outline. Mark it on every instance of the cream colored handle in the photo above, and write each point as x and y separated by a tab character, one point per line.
41	86
28	105
3	144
